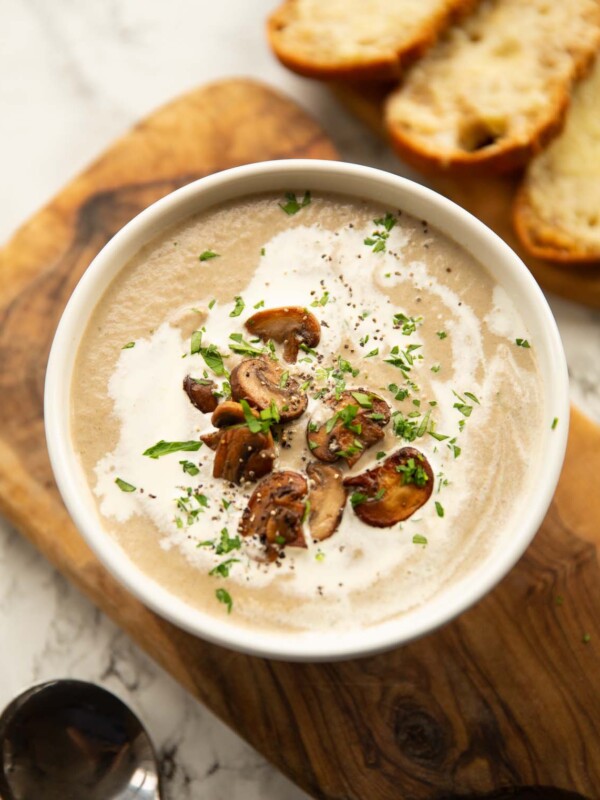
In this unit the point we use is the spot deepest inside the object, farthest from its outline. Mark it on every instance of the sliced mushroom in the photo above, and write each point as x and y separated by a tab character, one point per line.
229	413
201	393
276	509
211	439
392	491
292	326
242	455
261	382
348	438
327	498
225	414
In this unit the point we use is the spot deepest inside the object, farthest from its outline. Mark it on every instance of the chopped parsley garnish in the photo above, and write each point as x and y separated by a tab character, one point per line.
260	304
211	355
439	509
346	366
462	406
403	427
451	445
436	368
227	543
213	359
441	334
377	240
292	205
346	415
306	512
239	307
464	409
207	255
196	342
439	436
322	302
418	538
284	379
363	400
554	423
403	359
356	447
522	343
128	346
320	556
412	472
223	568
410	427
267	417
185	506
586	638
262	252
356	498
399	394
163	448
189	467
242	347
226	504
379	455
408	325
211	305
374	352
224	597
124	486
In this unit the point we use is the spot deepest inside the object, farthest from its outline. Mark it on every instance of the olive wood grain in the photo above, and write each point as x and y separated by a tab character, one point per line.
500	703
490	198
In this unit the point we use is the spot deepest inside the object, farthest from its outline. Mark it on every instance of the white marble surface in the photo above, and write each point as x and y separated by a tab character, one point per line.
74	76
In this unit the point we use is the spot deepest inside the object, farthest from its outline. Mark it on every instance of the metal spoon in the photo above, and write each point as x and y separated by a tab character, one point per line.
71	740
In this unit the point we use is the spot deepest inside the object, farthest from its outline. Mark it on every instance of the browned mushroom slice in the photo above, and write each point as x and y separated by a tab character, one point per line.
261	382
275	510
212	439
225	414
242	455
356	424
327	498
392	491
291	326
201	393
229	413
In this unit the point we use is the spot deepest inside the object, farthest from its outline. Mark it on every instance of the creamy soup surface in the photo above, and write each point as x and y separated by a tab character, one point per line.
404	313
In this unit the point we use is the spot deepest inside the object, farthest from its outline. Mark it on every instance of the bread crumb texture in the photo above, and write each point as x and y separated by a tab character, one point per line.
497	85
357	38
557	210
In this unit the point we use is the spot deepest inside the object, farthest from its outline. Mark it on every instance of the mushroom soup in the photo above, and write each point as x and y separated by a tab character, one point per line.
306	412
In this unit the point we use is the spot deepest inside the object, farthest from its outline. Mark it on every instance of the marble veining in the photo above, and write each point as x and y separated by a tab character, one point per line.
75	76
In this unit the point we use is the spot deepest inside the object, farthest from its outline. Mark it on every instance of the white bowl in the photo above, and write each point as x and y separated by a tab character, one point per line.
361	182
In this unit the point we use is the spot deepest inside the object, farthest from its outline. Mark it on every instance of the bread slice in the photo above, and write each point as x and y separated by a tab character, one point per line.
357	39
557	208
495	89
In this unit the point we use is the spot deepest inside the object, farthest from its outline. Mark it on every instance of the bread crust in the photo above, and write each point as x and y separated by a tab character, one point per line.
547	241
506	155
496	159
375	69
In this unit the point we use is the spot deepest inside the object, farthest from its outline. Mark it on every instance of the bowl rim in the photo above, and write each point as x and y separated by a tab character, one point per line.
278	175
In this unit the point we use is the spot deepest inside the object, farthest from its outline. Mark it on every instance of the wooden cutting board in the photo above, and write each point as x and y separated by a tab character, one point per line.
503	698
488	197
